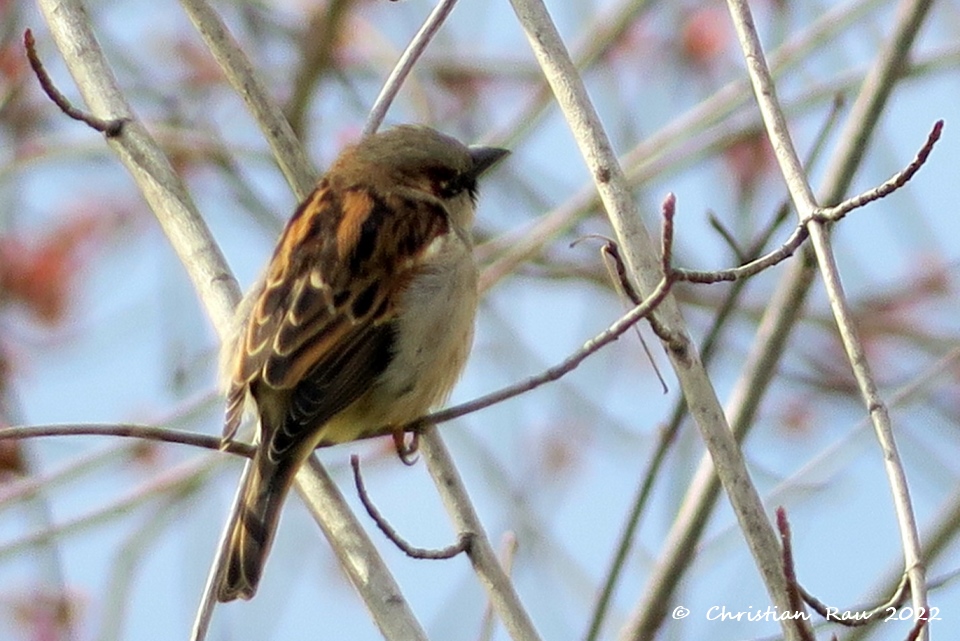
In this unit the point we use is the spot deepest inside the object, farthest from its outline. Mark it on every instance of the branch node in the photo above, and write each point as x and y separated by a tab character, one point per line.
796	592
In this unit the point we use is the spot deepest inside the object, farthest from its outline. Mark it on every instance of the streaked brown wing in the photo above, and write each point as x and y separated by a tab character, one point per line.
319	328
345	375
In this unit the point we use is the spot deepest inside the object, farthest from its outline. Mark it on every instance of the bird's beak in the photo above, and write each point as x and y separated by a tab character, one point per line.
485	157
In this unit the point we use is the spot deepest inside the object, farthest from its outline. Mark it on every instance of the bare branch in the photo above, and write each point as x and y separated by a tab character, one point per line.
642	258
462	545
405	65
807	207
897	181
128	430
243	77
109	128
790	572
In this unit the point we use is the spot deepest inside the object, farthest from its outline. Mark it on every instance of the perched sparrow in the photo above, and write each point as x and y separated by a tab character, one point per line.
363	319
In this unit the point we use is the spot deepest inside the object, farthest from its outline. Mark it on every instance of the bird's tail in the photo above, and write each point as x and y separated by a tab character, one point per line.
264	491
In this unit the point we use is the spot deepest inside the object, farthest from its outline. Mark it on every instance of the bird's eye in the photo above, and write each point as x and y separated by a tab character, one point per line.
448	183
449	188
462	183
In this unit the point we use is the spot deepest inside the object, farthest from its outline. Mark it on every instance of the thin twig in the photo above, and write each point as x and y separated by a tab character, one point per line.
801	233
109	128
668	210
897	181
790	572
131	430
673	340
768	260
617	270
461	546
727	237
405	64
863	616
621	279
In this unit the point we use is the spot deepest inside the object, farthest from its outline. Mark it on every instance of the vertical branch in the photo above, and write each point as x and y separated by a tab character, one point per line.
778	320
644	263
806	205
189	236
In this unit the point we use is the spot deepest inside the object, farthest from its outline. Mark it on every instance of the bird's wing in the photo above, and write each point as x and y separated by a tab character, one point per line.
320	327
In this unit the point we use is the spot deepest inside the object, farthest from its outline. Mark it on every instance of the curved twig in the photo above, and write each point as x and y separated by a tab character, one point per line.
109	128
462	545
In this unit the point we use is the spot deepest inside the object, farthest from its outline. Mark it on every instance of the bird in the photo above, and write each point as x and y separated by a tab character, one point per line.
361	323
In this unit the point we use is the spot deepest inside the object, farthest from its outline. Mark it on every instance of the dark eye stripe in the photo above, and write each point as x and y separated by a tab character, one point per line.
447	182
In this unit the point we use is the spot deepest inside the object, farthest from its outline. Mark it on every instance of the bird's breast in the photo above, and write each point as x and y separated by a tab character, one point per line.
434	332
